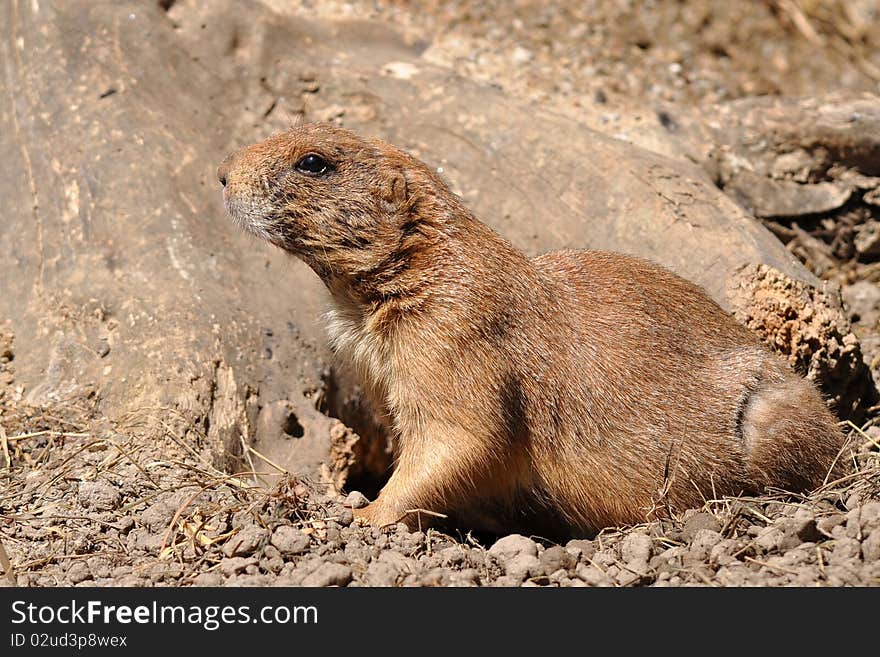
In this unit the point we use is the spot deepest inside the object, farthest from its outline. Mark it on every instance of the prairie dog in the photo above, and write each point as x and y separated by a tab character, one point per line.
555	395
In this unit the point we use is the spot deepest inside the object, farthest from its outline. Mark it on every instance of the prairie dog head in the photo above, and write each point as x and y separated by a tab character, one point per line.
341	203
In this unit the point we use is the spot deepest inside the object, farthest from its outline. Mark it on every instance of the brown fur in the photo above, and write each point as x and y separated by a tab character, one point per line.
557	395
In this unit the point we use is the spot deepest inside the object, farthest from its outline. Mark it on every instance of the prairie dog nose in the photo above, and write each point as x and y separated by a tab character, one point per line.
223	172
226	167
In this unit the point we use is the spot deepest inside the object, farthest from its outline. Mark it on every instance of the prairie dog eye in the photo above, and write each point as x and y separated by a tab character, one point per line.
312	165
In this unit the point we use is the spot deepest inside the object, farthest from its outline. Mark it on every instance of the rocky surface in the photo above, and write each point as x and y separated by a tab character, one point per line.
98	508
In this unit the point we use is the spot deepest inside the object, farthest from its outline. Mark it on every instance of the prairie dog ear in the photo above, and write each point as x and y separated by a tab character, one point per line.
392	186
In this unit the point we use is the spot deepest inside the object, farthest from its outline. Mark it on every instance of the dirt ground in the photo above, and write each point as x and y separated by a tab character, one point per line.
86	502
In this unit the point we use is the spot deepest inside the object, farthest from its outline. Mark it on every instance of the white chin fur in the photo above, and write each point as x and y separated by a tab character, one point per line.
248	217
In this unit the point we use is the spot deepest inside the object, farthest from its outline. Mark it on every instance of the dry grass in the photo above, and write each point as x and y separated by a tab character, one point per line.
42	459
834	25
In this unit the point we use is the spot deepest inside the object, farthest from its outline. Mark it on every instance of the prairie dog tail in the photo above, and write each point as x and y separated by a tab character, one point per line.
792	439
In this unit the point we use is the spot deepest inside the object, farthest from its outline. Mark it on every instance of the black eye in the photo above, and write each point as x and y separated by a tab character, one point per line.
312	165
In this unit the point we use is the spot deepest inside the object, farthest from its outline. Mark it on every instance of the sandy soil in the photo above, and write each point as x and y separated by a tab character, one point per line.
85	503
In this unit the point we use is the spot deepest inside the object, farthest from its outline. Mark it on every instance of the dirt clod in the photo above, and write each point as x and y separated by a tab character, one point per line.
244	542
329	574
78	572
697	522
356	500
635	551
99	495
290	540
809	327
233	565
513	546
557	558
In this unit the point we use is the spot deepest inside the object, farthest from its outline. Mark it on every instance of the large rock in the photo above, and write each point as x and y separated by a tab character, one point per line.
123	277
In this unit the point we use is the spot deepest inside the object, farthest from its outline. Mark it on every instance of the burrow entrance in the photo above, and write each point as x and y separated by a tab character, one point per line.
344	400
